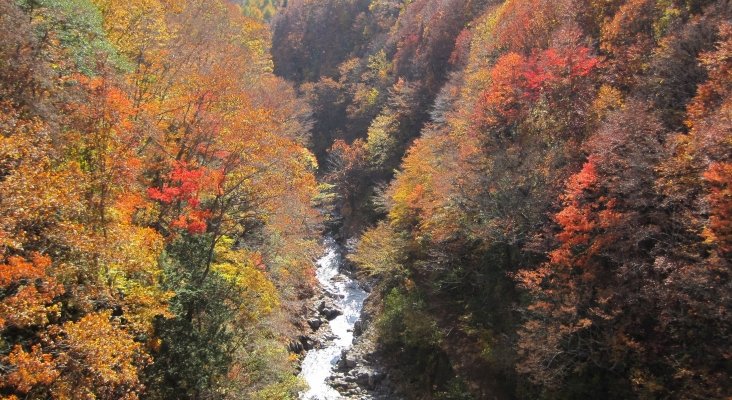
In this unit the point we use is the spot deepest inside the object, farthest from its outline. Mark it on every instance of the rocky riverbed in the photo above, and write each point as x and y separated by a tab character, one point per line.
340	361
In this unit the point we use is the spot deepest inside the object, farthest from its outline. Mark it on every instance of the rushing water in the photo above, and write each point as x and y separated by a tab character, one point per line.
348	297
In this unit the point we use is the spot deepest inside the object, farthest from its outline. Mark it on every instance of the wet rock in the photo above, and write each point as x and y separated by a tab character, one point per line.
334	296
346	362
358	328
315	323
330	313
306	342
295	347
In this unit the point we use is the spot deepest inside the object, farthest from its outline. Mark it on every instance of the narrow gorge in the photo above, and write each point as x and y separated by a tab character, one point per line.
331	367
365	199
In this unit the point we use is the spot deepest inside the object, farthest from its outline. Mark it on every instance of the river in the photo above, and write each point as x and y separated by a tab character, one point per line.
348	296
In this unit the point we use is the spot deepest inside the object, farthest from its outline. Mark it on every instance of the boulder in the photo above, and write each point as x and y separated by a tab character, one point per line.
366	377
307	342
358	328
346	362
330	313
363	378
295	347
315	323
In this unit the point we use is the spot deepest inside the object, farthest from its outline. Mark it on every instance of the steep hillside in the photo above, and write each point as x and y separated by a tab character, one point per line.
542	188
156	215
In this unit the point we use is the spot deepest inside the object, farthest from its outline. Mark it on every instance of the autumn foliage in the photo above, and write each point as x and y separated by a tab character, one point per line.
541	191
565	210
128	130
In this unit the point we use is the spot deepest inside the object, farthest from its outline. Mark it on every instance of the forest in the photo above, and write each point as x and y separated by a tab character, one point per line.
535	194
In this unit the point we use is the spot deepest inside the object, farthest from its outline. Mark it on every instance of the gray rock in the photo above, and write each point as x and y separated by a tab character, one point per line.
346	362
295	347
363	378
315	323
358	328
366	377
330	313
307	342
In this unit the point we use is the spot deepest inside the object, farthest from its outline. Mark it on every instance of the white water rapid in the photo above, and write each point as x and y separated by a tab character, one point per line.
348	297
